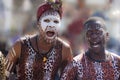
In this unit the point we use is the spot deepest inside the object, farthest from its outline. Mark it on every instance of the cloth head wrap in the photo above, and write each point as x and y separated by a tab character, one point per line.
54	5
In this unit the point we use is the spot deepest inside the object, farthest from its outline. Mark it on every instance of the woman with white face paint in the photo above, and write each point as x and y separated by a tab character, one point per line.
48	24
44	55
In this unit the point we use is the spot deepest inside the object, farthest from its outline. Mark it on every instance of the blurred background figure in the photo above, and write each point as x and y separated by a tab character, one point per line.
15	18
76	12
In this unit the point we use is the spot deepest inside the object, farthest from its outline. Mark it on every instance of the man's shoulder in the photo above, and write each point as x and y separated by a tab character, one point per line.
79	57
114	55
77	61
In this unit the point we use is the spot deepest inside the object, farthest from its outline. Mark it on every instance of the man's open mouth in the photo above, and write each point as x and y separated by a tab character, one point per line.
95	44
50	33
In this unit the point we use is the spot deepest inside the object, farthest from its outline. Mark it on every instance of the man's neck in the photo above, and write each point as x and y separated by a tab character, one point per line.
97	56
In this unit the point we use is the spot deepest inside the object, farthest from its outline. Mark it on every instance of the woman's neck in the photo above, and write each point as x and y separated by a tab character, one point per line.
43	45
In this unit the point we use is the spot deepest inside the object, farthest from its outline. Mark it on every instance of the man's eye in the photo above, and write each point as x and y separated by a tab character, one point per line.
89	33
56	21
99	32
47	20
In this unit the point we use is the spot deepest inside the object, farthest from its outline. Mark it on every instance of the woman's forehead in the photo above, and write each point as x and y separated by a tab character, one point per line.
50	17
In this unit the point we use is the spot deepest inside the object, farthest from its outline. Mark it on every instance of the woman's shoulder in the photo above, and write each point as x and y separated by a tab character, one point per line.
64	42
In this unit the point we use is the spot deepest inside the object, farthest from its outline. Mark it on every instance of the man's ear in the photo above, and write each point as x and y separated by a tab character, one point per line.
107	36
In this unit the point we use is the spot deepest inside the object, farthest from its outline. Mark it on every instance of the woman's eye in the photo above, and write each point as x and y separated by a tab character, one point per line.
47	20
56	21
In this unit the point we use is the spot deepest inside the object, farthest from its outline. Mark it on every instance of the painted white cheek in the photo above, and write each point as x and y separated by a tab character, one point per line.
58	26
44	25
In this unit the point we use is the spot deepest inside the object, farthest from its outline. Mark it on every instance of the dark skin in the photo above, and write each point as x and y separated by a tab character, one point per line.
96	38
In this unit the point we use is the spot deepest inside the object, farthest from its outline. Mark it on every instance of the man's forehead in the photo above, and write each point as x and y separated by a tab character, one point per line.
94	25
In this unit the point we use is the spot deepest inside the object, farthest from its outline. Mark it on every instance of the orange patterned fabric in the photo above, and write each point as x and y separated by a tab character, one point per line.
83	68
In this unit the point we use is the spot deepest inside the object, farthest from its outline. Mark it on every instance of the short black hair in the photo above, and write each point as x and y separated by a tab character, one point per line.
95	20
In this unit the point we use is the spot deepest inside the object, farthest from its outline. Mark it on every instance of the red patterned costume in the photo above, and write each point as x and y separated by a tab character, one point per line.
44	55
83	68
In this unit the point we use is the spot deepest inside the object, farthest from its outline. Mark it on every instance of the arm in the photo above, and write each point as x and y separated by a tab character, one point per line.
12	57
66	55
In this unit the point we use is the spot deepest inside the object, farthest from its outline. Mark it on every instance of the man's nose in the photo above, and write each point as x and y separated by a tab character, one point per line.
94	36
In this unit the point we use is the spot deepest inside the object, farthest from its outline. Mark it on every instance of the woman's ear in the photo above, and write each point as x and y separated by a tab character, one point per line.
38	23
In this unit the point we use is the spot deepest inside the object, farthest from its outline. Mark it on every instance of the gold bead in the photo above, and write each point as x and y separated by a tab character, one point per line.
44	59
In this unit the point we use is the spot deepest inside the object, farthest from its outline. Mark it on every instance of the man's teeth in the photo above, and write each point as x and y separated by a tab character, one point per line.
95	45
95	42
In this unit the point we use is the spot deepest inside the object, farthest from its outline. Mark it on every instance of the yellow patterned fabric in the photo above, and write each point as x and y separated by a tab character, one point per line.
2	67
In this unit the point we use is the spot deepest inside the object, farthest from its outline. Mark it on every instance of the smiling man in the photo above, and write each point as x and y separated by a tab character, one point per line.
43	55
96	63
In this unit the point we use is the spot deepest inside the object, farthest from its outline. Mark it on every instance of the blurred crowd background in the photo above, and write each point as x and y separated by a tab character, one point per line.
18	18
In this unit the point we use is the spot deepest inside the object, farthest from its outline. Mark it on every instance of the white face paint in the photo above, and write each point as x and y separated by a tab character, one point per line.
50	20
50	25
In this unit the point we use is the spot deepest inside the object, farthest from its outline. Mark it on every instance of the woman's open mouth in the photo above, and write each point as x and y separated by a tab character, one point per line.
50	33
